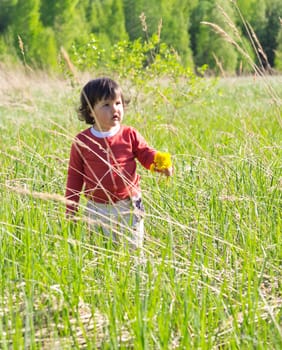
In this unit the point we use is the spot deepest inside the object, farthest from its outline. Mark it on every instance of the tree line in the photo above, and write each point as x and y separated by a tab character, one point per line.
221	34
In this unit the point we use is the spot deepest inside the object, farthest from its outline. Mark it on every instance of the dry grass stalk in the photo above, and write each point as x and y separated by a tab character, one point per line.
219	64
70	65
254	41
21	46
143	22
260	72
260	50
229	39
160	25
41	195
229	22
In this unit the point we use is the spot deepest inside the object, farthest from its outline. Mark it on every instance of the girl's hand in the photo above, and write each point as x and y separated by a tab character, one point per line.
162	164
167	172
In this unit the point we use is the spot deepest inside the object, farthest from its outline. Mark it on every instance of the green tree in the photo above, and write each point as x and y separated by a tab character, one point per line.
270	35
263	17
253	11
208	46
6	13
36	43
107	21
175	29
252	20
143	18
27	25
7	49
134	26
26	17
278	51
48	12
67	22
67	18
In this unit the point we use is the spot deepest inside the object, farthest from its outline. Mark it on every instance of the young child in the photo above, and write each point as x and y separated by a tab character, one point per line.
103	164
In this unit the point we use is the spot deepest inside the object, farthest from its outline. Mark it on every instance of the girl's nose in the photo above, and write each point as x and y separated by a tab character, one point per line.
114	107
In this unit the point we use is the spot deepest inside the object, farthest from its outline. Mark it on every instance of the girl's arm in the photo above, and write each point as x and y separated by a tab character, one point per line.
152	159
75	180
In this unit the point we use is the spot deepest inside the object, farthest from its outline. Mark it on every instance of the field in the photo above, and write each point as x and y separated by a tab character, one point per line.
210	275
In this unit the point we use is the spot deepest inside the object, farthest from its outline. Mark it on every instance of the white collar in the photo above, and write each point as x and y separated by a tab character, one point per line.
103	134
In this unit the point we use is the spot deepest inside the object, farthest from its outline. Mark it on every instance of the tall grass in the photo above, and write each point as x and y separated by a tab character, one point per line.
210	276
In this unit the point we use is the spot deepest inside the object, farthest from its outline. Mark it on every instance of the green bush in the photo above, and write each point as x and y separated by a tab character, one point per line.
150	64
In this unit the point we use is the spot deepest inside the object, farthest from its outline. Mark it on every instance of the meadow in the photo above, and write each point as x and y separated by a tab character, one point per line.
210	274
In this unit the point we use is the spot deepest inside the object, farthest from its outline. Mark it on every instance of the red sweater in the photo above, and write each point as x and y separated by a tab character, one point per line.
105	167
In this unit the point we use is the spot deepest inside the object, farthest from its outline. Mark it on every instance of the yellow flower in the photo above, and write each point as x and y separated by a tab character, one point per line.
162	161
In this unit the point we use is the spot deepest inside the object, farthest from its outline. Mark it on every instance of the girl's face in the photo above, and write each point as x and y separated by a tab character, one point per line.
108	113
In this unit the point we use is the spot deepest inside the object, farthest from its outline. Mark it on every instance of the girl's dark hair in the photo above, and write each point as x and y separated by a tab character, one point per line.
94	91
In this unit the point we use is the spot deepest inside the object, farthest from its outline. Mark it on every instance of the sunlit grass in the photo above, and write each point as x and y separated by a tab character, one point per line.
210	276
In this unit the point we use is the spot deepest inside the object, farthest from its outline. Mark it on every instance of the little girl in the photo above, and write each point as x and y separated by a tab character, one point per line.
102	164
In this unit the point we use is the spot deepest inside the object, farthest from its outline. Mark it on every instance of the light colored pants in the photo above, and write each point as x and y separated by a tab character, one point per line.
121	221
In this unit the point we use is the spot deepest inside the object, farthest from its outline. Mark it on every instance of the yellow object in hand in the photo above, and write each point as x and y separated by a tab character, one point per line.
162	161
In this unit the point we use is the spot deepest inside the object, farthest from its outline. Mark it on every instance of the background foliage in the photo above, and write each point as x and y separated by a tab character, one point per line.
44	26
